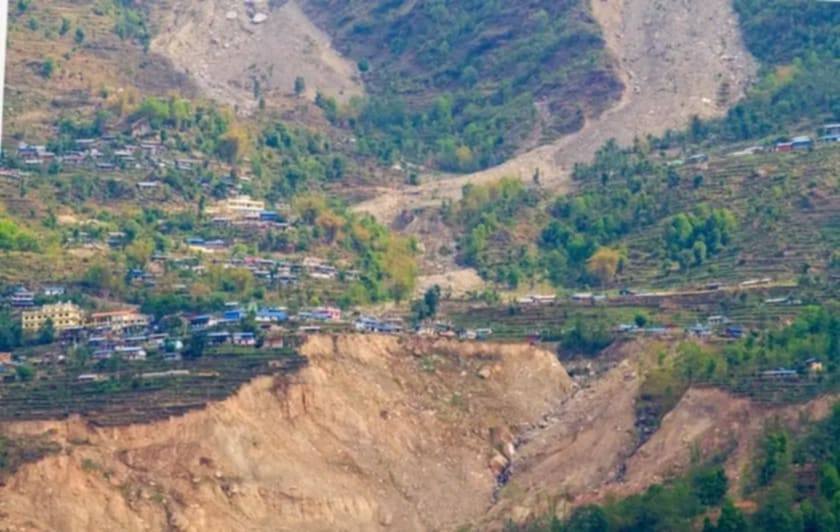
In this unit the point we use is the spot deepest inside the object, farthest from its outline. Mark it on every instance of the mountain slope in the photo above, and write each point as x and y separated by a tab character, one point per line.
376	433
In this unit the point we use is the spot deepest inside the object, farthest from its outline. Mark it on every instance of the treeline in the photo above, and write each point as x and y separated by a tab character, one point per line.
454	83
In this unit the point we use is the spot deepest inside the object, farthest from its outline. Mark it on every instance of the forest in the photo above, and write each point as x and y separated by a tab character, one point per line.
456	83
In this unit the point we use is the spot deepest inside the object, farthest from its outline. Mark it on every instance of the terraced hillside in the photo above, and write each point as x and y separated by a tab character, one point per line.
636	219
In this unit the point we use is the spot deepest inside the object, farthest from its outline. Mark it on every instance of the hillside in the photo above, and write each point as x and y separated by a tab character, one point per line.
463	85
376	433
774	215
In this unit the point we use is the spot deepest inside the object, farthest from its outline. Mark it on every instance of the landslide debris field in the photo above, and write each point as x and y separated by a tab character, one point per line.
237	57
678	62
377	433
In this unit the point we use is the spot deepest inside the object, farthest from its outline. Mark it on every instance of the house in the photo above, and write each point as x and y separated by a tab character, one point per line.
53	290
148	186
22	298
780	373
733	332
218	338
61	315
831	129
272	315
699	330
131	352
274	342
814	366
199	323
582	296
239	207
118	320
89	377
234	315
483	334
801	143
116	238
245	339
327	313
697	159
717	320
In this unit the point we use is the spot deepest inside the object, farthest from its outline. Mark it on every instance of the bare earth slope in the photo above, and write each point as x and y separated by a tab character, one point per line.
381	433
218	45
677	58
376	433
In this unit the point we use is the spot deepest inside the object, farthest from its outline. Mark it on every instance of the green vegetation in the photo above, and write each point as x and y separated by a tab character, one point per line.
456	82
793	477
799	49
14	238
17	451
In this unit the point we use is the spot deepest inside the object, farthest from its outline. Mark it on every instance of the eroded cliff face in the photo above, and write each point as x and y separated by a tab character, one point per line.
377	433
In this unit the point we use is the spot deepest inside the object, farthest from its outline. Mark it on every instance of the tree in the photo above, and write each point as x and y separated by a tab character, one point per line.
65	26
710	485
829	480
79	36
588	519
195	346
731	520
47	333
300	85
48	68
604	264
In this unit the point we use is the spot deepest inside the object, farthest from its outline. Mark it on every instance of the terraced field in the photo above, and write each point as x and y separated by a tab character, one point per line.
124	397
788	209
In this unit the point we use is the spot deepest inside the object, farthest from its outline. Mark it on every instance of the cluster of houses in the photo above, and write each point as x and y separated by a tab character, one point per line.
104	153
24	298
234	315
719	323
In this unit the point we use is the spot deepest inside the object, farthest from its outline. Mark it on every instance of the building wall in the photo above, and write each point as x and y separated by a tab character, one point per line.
63	316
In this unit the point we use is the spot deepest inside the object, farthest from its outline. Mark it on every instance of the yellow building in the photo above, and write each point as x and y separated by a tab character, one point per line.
63	316
239	207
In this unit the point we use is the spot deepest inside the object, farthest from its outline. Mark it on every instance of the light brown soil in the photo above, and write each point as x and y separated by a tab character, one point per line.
381	433
377	433
225	56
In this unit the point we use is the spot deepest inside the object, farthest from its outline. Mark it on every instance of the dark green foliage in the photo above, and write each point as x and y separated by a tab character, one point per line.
802	37
690	238
455	82
426	307
586	336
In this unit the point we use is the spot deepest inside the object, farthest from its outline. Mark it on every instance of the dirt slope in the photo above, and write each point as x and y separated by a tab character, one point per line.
677	59
376	433
588	452
218	45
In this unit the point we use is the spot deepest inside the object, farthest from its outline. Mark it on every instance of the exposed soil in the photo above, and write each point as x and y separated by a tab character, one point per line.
383	433
377	433
227	56
676	59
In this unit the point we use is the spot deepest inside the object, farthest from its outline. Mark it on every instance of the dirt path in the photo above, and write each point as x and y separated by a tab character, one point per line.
217	43
677	61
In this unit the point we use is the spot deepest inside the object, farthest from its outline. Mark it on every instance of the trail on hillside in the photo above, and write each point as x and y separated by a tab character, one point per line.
237	61
677	59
